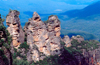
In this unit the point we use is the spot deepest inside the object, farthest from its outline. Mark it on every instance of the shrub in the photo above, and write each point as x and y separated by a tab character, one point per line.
20	62
4	57
24	45
62	43
1	20
87	45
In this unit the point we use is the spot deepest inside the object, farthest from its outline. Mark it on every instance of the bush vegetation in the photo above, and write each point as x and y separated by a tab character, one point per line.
5	35
4	57
87	45
87	36
1	20
24	45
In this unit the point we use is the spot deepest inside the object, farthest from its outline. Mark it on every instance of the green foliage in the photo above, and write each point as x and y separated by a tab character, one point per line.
6	45
92	45
51	60
87	45
62	43
90	27
87	36
1	41
2	28
77	47
24	45
15	49
1	19
16	54
6	35
4	57
5	41
20	62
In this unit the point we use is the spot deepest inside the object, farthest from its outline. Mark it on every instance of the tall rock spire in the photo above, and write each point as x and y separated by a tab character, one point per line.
53	27
14	28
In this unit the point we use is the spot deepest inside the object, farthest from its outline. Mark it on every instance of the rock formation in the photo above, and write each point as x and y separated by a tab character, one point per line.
5	54
67	41
78	38
45	37
15	28
92	56
53	28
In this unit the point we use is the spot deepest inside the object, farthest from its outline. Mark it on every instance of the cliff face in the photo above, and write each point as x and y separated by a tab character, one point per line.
53	28
45	37
14	28
92	56
5	54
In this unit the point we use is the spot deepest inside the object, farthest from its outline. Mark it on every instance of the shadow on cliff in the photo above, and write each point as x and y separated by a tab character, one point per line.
66	58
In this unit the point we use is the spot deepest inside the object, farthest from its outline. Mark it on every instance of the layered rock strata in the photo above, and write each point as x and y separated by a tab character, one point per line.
44	38
15	28
53	28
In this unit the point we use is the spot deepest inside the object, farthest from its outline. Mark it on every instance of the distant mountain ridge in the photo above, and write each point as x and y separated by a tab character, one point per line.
86	20
92	9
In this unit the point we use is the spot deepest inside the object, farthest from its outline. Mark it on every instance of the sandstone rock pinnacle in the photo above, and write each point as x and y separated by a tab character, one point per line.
15	28
46	40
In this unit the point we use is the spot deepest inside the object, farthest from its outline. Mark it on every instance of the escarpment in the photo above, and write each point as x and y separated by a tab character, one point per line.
40	40
15	28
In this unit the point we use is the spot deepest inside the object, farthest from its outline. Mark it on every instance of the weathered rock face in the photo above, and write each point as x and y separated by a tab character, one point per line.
43	40
67	41
53	28
14	28
45	37
78	38
92	56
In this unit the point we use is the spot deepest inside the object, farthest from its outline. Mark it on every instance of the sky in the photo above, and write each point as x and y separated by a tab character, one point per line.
44	6
41	6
